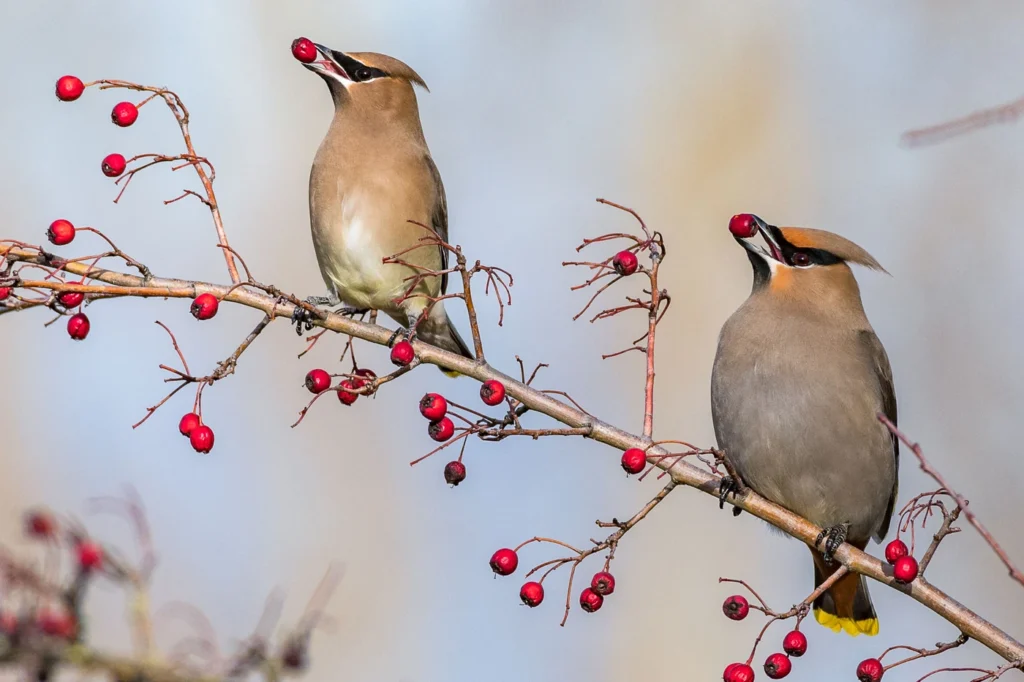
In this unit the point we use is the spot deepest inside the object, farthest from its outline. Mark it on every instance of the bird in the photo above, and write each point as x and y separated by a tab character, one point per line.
373	187
798	382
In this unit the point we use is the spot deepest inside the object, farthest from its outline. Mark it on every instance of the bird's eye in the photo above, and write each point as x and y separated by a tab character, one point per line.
800	259
363	74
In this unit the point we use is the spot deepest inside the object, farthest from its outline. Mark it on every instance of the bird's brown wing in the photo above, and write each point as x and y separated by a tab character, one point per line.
439	219
883	372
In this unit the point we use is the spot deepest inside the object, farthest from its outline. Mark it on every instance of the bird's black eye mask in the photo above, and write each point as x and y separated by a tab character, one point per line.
802	257
356	71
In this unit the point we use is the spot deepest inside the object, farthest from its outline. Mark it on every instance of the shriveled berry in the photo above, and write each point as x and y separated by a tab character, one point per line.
504	561
743	226
492	392
590	601
454	472
304	50
532	594
634	461
795	643
60	232
346	393
402	353
204	306
317	381
895	550
69	88
78	326
5	292
736	607
433	406
90	555
188	423
905	569
113	165
603	583
201	438
738	672
441	430
295	656
124	114
778	666
625	263
870	670
70	299
40	524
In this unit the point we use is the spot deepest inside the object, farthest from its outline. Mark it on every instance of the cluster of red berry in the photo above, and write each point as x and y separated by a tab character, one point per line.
777	665
505	561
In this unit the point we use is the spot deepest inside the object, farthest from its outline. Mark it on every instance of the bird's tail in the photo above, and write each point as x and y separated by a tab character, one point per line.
846	607
438	330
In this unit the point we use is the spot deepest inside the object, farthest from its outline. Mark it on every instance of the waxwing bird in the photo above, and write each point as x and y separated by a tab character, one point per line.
372	175
798	382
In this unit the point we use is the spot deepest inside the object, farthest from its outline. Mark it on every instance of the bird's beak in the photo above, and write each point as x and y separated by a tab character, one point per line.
773	252
328	66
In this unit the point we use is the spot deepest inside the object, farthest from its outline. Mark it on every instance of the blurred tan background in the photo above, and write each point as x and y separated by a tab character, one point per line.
689	112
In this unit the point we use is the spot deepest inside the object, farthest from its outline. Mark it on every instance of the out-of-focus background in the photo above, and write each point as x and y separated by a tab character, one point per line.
689	112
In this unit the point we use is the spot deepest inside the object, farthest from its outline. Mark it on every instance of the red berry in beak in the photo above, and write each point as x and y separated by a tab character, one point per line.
532	594
454	472
905	569
201	439
778	666
124	114
345	393
189	422
318	381
634	461
61	232
441	430
603	583
402	353
738	672
504	562
795	643
40	524
78	326
113	165
492	392
204	306
625	263
70	299
736	607
743	226
90	555
304	50
433	406
5	292
590	601
69	88
896	550
870	670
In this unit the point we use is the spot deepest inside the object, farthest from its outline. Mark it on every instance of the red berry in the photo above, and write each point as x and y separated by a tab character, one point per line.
905	569
736	607
778	666
201	438
61	232
795	643
366	375
113	165
8	623
532	594
318	381
69	88
90	555
492	392
454	472
441	430
124	114
78	326
895	550
634	460
204	306
743	226
345	393
603	583
738	672
504	561
590	601
187	423
433	406
304	50
4	293
402	353
625	263
870	670
70	299
40	524
57	623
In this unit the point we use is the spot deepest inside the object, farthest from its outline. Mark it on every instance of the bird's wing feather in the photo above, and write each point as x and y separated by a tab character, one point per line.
883	372
439	218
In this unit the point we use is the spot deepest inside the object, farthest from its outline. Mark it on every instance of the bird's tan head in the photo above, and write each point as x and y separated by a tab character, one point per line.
366	80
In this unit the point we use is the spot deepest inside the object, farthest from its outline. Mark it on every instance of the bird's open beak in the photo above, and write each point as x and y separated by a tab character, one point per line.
773	252
327	65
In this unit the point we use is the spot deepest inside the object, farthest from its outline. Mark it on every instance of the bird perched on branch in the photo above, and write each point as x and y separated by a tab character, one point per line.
797	385
371	176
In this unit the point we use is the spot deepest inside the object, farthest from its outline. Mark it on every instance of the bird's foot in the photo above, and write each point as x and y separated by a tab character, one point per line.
350	311
833	537
406	334
730	486
302	319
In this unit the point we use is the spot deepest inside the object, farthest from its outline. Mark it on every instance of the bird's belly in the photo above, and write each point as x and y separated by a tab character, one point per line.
351	262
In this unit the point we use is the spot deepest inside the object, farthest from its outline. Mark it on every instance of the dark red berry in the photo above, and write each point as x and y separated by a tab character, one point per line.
795	643
532	594
590	601
743	226
504	561
56	622
346	394
70	299
454	472
905	569
201	438
78	326
778	666
603	583
433	406
634	461
318	381
124	114
69	88
365	376
304	50
625	263
738	672
870	670
295	655
736	607
60	232
40	524
90	555
492	392
895	550
204	306
441	430
402	353
187	423
113	165
5	292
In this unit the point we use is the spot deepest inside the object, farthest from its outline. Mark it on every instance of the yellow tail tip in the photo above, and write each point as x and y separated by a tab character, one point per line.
868	626
450	373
